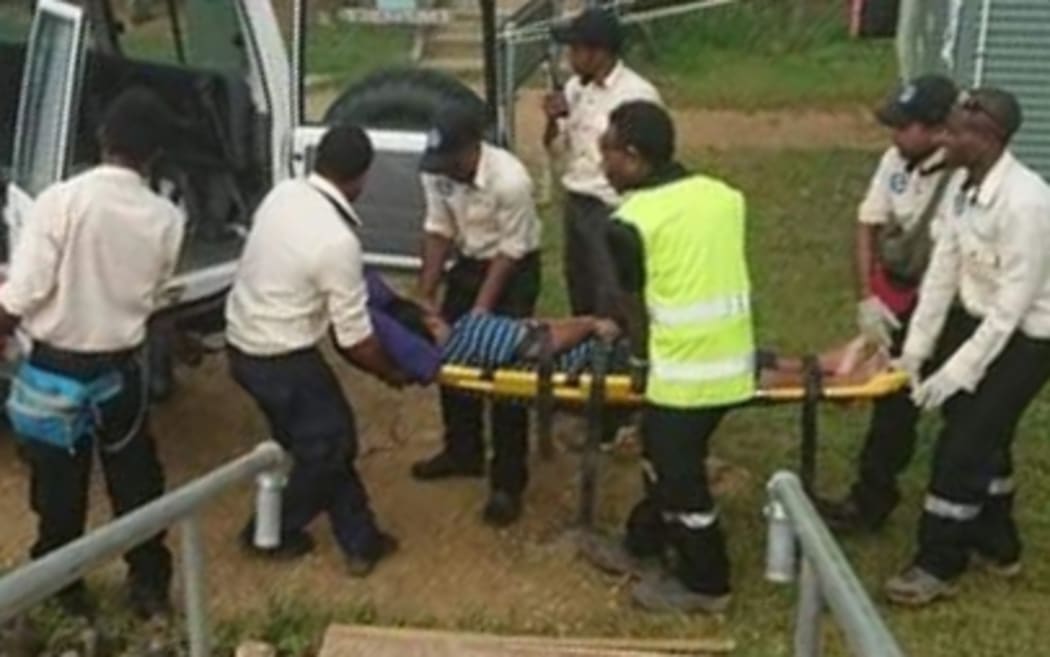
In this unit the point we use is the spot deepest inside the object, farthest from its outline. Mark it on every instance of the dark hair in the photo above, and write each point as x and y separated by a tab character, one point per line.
136	126
345	153
410	315
647	128
999	105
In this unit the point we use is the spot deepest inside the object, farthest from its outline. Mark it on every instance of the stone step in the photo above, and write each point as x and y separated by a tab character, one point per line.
359	641
468	66
466	37
434	49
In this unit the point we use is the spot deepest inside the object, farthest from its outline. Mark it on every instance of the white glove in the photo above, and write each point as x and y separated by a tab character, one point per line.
911	365
876	321
934	391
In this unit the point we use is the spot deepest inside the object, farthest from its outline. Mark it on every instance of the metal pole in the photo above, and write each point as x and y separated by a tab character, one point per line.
591	451
865	631
810	608
780	545
40	579
193	581
510	84
488	38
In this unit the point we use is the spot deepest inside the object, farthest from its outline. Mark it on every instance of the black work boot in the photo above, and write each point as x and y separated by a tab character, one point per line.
665	593
610	555
362	565
445	466
149	602
293	545
846	517
76	601
502	509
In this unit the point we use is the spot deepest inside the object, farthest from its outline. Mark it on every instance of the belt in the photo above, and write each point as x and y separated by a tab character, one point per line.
79	362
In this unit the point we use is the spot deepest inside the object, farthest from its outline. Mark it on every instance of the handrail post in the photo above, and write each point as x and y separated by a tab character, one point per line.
810	609
193	581
827	582
780	545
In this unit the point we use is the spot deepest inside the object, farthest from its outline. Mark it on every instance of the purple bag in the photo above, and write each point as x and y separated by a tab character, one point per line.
413	354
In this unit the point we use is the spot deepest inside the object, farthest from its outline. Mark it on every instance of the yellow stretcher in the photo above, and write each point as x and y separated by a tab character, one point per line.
615	390
525	384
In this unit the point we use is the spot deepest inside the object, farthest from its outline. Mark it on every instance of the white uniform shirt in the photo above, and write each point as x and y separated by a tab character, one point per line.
589	108
899	192
300	273
993	252
495	215
92	261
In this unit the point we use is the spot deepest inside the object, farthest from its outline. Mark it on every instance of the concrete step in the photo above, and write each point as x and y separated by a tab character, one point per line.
455	65
452	50
455	38
359	641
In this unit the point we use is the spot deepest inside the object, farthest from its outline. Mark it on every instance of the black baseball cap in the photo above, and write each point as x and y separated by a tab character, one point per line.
597	28
928	99
456	126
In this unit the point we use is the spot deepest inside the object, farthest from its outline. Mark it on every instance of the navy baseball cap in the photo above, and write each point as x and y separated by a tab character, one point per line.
928	99
597	28
456	126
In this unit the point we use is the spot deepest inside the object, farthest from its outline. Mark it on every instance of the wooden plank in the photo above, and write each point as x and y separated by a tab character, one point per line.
371	646
595	645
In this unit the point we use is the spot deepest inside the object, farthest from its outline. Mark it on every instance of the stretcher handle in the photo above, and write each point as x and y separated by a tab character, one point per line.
545	394
600	356
814	392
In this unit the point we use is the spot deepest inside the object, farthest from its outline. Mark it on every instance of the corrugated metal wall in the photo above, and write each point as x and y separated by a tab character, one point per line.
1017	58
1003	43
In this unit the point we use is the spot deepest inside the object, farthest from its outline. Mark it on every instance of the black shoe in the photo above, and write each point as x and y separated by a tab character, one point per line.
444	466
77	603
502	509
148	602
294	545
846	517
363	565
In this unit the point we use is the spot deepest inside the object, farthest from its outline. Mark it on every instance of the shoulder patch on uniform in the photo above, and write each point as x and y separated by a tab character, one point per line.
444	186
899	182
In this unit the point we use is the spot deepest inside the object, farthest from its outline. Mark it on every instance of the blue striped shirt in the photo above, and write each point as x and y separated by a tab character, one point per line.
483	340
494	341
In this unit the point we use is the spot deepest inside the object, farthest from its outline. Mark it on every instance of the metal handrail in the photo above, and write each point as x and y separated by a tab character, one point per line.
40	579
827	579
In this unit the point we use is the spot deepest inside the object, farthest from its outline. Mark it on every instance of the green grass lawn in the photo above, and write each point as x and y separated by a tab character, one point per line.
801	214
761	54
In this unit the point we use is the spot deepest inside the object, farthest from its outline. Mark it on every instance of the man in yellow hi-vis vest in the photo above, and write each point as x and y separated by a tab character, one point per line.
678	243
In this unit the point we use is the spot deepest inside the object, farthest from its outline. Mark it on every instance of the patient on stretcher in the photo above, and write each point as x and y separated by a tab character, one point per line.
492	342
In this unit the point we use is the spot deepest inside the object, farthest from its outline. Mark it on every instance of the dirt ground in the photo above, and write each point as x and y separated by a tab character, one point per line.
700	129
451	570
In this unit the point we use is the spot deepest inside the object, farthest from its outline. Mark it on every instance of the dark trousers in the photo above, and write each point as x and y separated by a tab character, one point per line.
462	414
889	446
589	272
59	480
312	420
969	502
677	511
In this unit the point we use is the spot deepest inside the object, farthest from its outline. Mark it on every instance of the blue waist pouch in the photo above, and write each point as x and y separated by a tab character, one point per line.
55	409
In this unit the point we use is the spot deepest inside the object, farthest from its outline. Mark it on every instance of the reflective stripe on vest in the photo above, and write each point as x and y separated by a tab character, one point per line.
705	311
706	370
697	292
